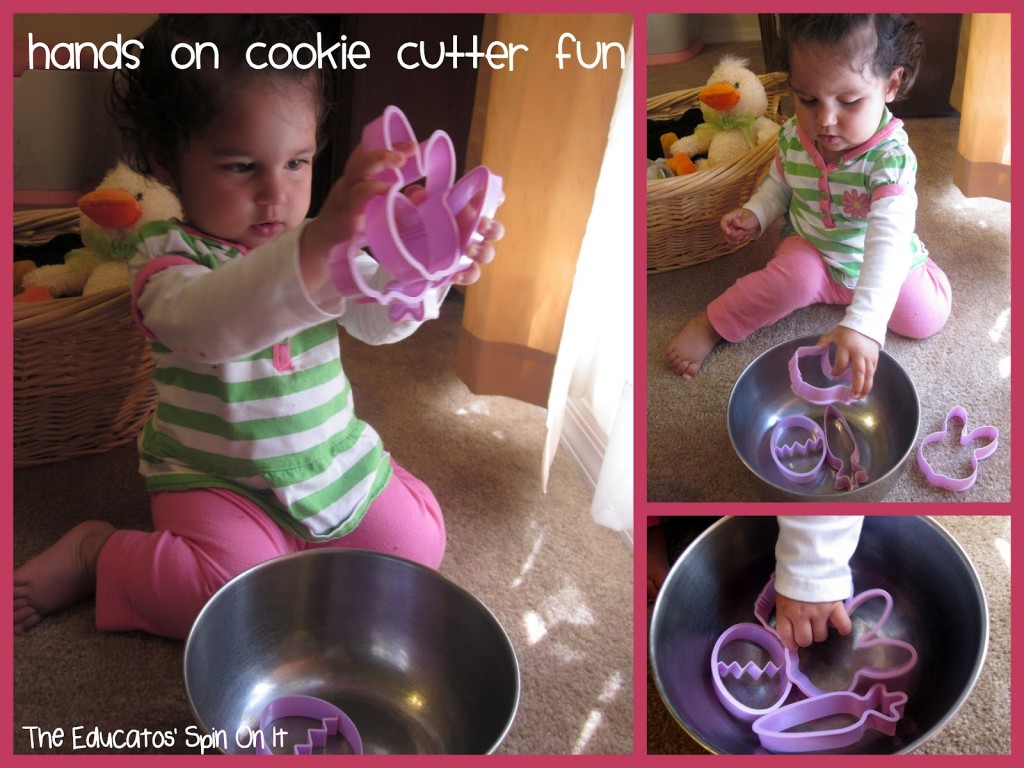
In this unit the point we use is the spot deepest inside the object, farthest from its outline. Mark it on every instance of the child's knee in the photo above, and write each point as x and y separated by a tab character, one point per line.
924	304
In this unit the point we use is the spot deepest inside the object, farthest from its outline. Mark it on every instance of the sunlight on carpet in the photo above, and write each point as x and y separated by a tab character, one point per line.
1003	548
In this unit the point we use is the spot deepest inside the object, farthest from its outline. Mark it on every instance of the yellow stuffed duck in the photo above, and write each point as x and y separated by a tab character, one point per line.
734	104
110	218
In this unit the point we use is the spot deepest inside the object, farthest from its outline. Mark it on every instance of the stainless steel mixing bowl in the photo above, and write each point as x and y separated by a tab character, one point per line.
418	663
939	607
885	424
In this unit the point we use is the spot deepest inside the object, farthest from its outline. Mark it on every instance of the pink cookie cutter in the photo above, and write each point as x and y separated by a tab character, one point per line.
766	639
422	245
765	604
332	721
840	393
814	443
951	483
870	639
847	478
878	709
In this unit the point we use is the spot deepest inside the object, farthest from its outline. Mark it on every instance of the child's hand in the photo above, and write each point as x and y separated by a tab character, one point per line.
739	225
857	352
480	253
798	624
342	214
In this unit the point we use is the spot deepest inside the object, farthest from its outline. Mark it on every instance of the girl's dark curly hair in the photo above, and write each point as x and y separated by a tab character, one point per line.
158	106
897	40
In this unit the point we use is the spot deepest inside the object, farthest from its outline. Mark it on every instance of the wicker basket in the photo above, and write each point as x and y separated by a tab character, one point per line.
683	213
81	366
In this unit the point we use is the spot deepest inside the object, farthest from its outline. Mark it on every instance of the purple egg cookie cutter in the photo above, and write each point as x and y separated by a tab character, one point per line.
422	245
847	478
878	710
815	443
840	393
951	483
332	722
767	640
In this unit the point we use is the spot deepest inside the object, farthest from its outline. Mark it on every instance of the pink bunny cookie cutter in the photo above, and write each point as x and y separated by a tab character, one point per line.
878	709
422	245
966	437
332	721
838	393
871	639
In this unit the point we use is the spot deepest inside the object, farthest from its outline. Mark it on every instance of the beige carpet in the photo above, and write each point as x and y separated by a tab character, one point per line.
560	584
982	726
966	364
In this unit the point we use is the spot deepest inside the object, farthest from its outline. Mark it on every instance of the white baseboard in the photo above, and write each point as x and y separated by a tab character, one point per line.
585	442
583	437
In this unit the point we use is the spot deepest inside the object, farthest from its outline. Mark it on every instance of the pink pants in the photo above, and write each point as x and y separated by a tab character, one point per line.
797	277
158	581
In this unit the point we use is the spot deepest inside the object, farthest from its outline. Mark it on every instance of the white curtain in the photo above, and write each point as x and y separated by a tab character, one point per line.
592	383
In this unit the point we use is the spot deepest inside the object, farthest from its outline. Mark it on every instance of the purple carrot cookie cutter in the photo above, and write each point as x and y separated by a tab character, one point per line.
840	393
332	722
767	640
422	245
878	710
951	483
847	478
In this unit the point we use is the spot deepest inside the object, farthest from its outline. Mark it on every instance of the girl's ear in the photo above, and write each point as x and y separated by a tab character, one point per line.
892	85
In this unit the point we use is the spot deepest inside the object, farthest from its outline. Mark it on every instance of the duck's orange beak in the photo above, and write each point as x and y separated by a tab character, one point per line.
110	208
720	96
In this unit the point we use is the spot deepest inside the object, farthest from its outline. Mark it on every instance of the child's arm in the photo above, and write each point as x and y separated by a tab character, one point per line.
772	197
886	261
770	200
812	576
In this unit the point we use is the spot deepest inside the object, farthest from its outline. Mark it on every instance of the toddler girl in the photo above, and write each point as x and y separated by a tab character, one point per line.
254	449
844	176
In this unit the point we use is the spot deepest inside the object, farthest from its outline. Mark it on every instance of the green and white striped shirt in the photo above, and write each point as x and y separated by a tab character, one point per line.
858	211
251	392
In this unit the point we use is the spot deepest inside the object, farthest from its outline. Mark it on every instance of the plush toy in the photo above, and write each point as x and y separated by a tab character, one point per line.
734	105
110	219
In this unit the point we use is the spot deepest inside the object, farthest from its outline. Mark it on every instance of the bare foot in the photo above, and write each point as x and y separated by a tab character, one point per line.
657	560
691	345
60	575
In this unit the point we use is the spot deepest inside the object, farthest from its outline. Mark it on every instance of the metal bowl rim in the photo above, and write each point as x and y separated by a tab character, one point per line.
311	553
795	492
